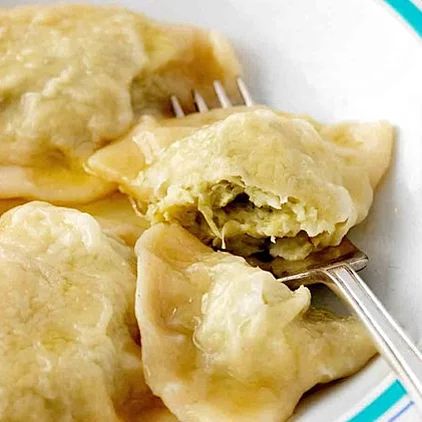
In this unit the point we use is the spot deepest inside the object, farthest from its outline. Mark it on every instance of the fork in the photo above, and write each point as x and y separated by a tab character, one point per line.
337	267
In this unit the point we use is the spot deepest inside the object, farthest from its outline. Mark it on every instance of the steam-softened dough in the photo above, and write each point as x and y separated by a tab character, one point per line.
252	180
223	341
115	214
117	217
73	77
68	330
122	161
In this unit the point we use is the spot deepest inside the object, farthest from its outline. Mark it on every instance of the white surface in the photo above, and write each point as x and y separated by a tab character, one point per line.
338	60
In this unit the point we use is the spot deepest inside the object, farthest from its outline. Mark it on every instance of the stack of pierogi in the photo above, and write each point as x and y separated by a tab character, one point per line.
125	290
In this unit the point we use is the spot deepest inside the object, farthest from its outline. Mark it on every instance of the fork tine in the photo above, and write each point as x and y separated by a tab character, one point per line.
199	101
224	100
177	108
244	92
221	95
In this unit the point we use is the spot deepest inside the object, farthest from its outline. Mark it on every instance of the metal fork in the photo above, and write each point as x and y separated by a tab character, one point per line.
337	268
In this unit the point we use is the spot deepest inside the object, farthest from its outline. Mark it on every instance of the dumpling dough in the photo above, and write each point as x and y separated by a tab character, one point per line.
255	180
72	79
122	161
68	348
115	213
117	217
223	341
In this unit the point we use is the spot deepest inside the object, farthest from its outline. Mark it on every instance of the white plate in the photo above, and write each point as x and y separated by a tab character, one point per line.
336	60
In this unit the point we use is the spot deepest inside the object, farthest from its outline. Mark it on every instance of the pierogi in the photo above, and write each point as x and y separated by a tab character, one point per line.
69	346
73	78
86	122
252	180
224	341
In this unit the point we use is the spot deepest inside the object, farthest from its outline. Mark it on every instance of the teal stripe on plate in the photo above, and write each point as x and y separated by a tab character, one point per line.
381	404
409	12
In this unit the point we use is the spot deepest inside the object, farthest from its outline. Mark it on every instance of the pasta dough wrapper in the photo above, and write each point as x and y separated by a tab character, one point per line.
224	341
73	78
252	180
115	213
69	345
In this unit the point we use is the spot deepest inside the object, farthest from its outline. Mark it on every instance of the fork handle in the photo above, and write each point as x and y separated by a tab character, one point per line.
394	345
